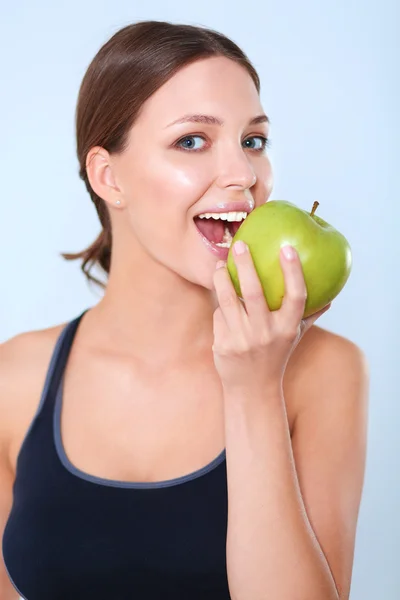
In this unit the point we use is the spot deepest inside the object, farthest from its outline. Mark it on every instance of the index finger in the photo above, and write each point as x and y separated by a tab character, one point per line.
295	297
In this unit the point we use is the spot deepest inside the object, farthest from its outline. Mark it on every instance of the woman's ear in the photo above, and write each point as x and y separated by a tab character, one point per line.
101	176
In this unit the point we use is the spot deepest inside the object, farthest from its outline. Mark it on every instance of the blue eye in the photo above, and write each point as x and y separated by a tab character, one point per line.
264	143
186	143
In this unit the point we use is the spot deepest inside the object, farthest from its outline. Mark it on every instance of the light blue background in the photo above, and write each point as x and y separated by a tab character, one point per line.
329	73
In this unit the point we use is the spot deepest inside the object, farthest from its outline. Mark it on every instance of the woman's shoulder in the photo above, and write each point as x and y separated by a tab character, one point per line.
22	354
321	358
319	343
328	342
24	361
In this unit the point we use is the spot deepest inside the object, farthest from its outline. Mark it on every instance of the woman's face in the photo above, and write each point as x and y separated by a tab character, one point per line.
176	169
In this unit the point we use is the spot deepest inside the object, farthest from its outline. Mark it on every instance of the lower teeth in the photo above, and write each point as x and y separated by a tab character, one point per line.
226	240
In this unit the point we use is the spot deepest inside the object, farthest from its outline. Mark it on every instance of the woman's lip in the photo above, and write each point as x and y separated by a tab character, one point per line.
221	253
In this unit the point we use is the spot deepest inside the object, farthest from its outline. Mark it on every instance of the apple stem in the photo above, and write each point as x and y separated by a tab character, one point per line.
314	207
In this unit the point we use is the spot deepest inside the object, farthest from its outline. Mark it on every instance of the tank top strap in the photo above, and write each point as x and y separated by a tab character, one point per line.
58	362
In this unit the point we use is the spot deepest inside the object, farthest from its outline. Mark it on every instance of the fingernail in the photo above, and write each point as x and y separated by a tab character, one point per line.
239	247
288	252
220	263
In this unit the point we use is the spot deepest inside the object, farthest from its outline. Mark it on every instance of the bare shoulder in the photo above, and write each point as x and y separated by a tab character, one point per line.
24	360
326	364
332	356
24	356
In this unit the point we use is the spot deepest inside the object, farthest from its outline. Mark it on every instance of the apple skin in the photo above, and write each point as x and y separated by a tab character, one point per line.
324	253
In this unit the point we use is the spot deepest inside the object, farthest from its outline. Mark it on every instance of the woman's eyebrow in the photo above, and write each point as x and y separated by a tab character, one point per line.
210	120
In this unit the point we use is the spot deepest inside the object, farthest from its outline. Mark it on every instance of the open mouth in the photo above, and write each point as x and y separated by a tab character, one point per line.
219	228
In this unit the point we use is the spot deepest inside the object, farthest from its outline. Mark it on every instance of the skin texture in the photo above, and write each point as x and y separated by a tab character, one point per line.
156	323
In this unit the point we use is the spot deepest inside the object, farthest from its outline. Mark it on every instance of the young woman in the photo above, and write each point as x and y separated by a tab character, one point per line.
174	441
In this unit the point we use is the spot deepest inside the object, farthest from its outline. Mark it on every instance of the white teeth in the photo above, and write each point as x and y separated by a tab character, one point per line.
228	216
226	240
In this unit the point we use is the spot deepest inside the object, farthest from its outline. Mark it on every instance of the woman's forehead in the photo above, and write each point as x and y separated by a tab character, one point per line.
217	87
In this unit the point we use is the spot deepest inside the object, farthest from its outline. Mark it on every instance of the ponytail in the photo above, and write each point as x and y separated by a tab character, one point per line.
99	252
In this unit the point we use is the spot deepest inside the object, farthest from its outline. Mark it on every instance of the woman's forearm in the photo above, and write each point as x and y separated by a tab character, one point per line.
272	552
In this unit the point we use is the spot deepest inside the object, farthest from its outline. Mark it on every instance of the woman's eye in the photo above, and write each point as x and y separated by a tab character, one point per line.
188	143
195	143
263	142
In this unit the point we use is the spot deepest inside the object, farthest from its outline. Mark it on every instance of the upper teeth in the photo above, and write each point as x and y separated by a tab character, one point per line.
228	216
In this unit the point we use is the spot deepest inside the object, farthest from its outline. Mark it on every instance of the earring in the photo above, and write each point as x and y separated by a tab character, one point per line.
118	202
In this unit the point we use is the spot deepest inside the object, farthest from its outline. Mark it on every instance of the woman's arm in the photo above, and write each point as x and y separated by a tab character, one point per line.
7	591
293	511
8	354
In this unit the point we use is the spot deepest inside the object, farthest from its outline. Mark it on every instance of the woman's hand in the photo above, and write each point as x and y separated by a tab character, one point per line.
252	344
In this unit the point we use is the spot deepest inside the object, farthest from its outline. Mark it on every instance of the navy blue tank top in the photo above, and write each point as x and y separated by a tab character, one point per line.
73	536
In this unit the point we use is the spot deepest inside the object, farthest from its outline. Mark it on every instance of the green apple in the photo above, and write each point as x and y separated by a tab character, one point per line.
324	253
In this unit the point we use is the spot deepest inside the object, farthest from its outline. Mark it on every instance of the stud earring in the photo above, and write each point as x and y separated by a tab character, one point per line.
118	202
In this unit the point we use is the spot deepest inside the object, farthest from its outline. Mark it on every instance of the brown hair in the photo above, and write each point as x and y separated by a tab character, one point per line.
125	72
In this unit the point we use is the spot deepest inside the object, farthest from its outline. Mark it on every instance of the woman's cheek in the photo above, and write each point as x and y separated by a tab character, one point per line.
265	181
192	180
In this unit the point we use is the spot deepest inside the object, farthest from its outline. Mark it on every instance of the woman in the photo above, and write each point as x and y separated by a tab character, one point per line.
174	441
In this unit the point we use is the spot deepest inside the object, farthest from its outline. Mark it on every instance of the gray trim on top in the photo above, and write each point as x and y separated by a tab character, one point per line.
110	482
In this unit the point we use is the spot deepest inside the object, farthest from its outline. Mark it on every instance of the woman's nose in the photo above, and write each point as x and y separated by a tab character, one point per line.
235	169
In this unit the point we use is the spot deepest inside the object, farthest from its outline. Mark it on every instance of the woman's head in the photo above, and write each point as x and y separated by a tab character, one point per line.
148	176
